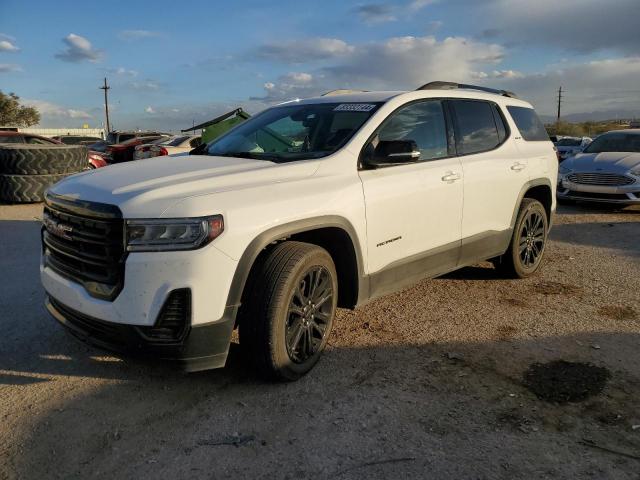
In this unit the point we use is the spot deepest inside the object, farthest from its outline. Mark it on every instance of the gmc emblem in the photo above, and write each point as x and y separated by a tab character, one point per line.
58	229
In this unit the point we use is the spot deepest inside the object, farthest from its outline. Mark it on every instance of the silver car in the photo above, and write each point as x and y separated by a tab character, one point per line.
608	170
569	146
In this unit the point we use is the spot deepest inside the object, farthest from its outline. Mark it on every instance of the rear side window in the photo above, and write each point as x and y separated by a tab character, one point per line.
530	126
477	131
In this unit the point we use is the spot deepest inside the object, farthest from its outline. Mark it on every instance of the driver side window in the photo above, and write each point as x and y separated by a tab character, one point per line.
422	122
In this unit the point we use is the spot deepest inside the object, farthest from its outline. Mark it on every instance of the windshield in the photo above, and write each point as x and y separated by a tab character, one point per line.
294	132
569	142
615	142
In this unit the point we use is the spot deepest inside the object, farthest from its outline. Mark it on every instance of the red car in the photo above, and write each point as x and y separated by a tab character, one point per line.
95	160
123	152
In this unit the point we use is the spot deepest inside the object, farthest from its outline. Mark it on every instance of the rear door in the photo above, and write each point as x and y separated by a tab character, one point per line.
494	173
414	210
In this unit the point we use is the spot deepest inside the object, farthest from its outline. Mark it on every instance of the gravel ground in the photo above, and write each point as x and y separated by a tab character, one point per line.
423	383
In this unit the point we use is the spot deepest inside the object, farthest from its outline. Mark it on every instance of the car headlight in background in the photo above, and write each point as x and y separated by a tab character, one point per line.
172	233
563	170
635	172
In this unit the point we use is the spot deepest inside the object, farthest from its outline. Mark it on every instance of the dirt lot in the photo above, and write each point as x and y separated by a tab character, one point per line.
427	383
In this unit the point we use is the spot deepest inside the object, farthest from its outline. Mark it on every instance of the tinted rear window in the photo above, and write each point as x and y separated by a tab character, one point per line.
477	131
530	126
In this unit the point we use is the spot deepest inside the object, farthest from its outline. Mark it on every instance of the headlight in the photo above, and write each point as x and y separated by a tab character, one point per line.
172	233
635	172
563	170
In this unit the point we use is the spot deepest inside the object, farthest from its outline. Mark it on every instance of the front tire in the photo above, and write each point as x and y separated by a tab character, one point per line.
528	241
288	309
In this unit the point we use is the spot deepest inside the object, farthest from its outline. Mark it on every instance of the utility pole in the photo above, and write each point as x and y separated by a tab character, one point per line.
559	103
106	87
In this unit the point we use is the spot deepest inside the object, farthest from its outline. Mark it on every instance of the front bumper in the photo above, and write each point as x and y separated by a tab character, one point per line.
149	277
622	195
203	347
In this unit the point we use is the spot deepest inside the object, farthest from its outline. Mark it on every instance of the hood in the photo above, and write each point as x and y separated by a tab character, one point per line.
146	188
612	162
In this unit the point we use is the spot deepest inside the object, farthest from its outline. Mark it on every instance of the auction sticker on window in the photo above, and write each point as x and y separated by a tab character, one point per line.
355	107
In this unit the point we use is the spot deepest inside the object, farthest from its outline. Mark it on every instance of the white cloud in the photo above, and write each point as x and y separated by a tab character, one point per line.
137	34
124	72
9	67
49	109
397	63
407	62
602	85
302	51
150	110
291	85
146	85
497	74
7	46
78	50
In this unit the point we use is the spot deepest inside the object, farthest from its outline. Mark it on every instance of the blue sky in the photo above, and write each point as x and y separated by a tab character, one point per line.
170	63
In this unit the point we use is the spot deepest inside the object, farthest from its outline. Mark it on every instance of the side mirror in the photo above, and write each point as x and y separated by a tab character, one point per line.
390	152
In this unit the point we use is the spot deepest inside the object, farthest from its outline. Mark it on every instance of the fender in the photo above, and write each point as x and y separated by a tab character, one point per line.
530	184
282	231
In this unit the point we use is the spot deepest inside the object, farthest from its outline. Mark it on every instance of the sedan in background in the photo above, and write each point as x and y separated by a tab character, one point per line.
20	137
170	146
76	139
569	146
123	152
607	171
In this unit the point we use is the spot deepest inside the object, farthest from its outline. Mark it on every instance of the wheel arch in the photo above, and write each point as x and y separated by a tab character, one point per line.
333	233
539	189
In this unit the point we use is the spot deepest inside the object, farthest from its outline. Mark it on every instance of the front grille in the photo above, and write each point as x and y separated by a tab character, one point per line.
603	179
84	242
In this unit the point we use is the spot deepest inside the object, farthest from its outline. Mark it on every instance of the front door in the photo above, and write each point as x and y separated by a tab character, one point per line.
414	210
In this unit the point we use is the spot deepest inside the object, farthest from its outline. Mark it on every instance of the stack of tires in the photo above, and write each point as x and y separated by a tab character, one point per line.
27	170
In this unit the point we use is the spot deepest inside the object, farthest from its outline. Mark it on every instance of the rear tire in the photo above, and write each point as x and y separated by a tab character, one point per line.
528	241
288	309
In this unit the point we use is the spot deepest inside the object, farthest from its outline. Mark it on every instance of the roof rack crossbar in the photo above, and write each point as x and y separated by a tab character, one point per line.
439	85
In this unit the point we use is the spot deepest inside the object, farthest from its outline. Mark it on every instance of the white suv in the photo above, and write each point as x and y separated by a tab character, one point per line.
311	205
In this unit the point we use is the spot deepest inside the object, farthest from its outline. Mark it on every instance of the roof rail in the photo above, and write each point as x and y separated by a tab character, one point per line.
438	85
340	91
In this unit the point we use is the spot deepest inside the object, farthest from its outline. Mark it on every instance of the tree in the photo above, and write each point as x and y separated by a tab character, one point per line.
12	114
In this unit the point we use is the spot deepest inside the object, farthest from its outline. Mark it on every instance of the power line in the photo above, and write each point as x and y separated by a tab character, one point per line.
106	87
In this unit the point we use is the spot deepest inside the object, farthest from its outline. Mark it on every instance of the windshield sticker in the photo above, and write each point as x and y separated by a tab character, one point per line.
354	107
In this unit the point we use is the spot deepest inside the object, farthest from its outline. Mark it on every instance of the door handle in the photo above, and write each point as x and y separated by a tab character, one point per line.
451	177
516	167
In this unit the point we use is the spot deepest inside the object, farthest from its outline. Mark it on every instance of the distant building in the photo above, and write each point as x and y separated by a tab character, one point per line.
53	132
